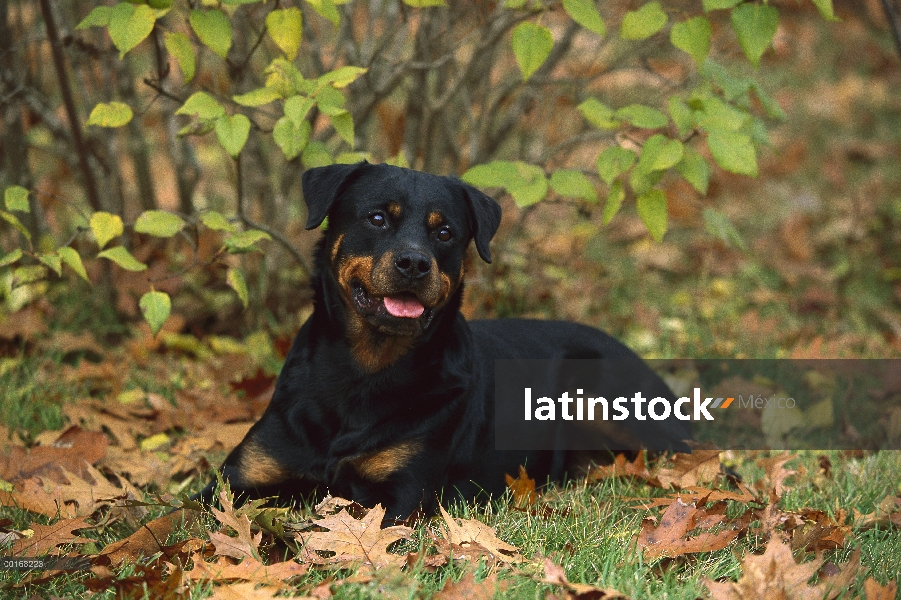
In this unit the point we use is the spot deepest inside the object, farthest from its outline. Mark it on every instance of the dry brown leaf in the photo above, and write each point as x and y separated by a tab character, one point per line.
146	582
354	541
474	539
148	539
49	536
874	591
248	569
690	470
556	575
243	591
814	530
621	467
70	451
30	495
468	589
523	489
672	536
245	544
886	514
696	493
776	473
775	574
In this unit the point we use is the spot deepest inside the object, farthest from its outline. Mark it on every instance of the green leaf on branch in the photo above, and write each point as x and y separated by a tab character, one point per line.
292	139
681	115
755	25
179	46
494	174
10	258
614	161
733	152
298	107
695	169
341	77
215	221
15	222
235	280
652	210
643	23
826	9
202	105
526	183
719	226
232	133
719	4
316	154
642	180
159	223
327	9
155	306
614	202
342	122
16	198
30	274
129	25
71	257
114	114
105	226
642	116
532	43
285	26
659	153
586	14
213	29
352	158
240	243
598	114
99	17
123	258
52	260
257	97
424	3
717	115
573	184
692	36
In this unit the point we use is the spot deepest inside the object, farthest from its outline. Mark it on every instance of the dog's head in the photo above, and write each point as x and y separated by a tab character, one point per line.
396	240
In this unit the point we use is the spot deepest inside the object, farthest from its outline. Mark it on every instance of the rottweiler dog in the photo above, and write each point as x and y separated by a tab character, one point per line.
386	395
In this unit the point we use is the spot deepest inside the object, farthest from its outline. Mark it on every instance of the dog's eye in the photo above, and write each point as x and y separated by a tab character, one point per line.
444	234
377	219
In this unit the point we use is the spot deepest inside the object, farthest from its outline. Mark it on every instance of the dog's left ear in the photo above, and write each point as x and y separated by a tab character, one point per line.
484	217
323	185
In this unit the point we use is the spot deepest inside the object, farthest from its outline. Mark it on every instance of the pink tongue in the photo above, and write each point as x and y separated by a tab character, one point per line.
403	307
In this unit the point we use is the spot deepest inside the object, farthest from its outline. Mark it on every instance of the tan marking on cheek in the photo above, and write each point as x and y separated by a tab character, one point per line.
380	465
394	210
435	219
337	246
257	467
354	267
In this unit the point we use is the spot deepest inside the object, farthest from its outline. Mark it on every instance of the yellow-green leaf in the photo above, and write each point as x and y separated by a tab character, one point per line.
652	210
155	306
213	29
232	133
71	257
123	258
235	279
15	222
755	25
30	274
179	46
327	9
342	76
113	114
257	97
284	26
573	184
585	13
643	23
613	161
692	36
532	43
244	241
217	222
291	138
52	260
129	25
614	202
10	258
159	223
733	152
16	198
598	114
201	104
98	17
105	226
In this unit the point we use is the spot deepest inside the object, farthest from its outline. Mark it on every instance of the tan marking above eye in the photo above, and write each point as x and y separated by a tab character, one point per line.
394	210
435	219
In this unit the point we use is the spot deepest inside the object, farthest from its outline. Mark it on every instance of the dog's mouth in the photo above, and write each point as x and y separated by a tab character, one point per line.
404	306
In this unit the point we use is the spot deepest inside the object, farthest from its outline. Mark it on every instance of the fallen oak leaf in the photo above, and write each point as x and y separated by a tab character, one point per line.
620	467
30	495
776	473
874	591
696	493
245	544
469	589
775	574
474	538
46	537
814	530
243	591
689	470
522	488
248	569
671	537
71	449
149	538
353	541
886	514
554	574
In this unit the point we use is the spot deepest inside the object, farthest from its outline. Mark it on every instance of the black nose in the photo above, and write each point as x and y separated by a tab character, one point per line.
412	264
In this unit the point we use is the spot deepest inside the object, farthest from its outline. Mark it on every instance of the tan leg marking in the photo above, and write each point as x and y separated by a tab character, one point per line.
257	467
380	465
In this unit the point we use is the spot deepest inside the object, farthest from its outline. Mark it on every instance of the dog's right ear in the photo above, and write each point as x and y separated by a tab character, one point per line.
323	185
